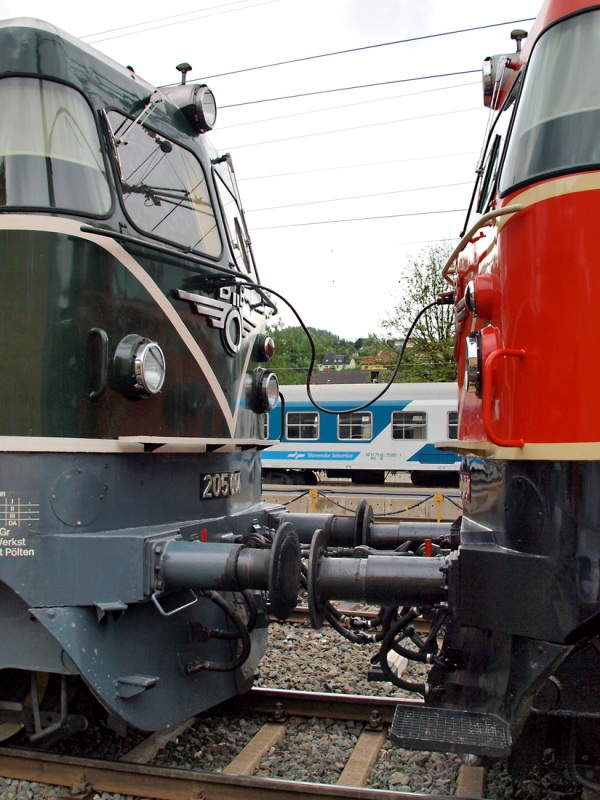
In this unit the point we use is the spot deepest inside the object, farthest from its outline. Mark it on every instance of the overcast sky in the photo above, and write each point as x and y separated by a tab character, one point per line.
343	188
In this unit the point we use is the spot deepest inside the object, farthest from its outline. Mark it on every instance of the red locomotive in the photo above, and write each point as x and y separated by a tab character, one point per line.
515	586
526	281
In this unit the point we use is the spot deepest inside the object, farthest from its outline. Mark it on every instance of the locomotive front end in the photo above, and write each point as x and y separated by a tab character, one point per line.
526	611
134	380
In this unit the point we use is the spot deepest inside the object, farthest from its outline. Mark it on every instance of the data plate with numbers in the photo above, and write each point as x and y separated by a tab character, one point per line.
219	484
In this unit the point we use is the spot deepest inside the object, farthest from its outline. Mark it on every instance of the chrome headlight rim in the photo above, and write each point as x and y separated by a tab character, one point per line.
473	366
139	367
265	391
144	370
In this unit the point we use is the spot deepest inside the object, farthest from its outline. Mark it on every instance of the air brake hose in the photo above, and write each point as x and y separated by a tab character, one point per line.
214	666
387	645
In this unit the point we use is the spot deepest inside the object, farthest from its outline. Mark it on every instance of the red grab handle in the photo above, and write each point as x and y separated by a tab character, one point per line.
487	394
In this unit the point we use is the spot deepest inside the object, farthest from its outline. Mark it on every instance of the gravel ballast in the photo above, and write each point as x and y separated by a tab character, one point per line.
301	658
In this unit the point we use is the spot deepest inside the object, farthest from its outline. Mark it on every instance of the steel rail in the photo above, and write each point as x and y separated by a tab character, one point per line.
321	705
164	783
300	616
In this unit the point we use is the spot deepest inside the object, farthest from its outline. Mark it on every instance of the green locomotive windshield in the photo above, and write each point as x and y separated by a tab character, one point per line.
557	120
164	187
50	154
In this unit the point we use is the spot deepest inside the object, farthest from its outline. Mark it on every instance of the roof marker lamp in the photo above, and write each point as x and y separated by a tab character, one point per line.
139	367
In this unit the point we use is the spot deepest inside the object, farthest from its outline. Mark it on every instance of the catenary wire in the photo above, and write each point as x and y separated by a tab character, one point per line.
354	128
170	16
360	219
358	197
351	88
170	24
355	166
369	47
328	108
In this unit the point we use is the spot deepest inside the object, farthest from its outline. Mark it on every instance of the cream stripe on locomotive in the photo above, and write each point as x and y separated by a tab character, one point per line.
556	187
531	451
124	444
71	227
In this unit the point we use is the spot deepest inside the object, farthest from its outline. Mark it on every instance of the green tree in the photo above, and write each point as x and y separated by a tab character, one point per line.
429	352
292	351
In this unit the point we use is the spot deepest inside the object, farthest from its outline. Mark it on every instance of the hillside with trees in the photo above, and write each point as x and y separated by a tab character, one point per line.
292	351
429	354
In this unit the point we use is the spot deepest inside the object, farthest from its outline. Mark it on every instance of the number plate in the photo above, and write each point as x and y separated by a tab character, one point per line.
219	484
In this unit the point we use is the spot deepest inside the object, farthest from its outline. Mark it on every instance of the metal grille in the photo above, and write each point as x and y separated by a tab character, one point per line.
451	731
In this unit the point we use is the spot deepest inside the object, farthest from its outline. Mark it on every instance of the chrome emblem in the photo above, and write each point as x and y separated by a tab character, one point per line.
225	313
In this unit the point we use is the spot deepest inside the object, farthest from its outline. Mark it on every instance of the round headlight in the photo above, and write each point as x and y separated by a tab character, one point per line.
270	389
470	298
139	367
472	381
206	108
265	391
149	366
196	101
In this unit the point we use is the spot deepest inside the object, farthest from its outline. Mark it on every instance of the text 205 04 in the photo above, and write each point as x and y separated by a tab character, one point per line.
220	484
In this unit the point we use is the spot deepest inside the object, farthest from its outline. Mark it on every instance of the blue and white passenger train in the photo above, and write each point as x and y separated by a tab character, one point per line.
397	433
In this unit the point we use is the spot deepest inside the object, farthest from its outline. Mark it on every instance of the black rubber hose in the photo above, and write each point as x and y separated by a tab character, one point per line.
386	646
219	633
252	609
243	634
355	638
438	620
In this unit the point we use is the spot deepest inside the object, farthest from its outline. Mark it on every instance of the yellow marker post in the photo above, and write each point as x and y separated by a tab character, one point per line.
438	499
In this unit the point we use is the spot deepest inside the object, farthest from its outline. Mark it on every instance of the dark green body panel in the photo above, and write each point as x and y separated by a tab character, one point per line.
56	290
81	509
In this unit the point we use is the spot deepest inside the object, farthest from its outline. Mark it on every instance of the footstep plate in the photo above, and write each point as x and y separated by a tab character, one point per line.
450	731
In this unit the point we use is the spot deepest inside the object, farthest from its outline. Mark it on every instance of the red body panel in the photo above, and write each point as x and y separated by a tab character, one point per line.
540	327
547	258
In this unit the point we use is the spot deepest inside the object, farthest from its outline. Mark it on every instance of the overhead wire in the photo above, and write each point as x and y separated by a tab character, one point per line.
354	128
352	88
358	197
360	219
167	24
368	47
355	166
328	108
329	54
329	91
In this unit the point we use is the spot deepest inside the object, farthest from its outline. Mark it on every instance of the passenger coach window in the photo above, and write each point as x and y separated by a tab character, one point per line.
302	425
453	424
558	116
164	188
355	425
50	153
409	425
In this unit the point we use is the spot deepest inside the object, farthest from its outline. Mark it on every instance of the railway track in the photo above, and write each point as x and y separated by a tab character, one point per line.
134	775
